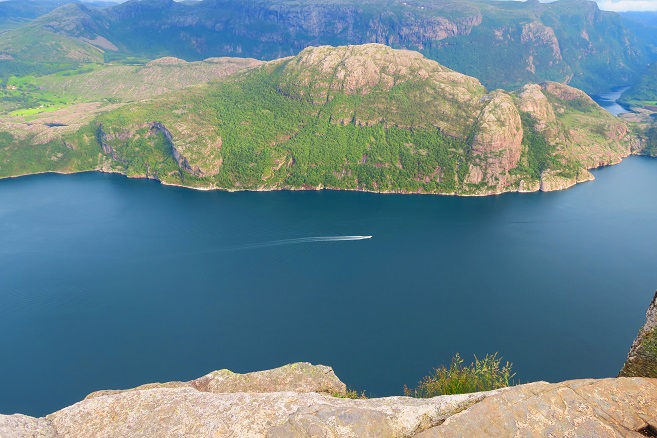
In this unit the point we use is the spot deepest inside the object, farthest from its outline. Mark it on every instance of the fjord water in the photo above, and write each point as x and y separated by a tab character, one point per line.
107	282
608	101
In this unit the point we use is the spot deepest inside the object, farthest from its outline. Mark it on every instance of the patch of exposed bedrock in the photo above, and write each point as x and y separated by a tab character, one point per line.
304	400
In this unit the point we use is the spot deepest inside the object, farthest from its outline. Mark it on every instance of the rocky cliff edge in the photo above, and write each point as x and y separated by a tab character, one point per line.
304	400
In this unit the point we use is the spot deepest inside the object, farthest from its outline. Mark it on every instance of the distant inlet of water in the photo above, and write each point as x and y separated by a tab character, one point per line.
608	101
108	282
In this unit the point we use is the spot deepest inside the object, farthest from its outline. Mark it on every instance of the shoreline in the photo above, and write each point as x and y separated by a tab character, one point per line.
574	182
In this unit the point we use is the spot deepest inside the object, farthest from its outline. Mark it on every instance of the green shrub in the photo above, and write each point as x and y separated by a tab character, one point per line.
481	375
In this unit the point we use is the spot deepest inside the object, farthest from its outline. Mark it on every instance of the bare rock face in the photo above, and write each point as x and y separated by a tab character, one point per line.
541	35
497	144
187	412
19	425
580	408
642	358
296	377
565	92
318	71
534	102
282	403
551	182
450	101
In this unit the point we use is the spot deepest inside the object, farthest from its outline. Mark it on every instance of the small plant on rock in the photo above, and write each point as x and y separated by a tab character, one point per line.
352	394
482	375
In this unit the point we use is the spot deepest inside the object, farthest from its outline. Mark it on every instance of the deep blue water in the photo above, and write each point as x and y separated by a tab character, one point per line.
608	101
107	282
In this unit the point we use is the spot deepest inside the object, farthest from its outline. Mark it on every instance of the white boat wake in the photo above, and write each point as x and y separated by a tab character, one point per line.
272	243
303	240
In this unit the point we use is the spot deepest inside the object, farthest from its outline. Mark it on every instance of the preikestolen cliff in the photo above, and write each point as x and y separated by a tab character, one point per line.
378	218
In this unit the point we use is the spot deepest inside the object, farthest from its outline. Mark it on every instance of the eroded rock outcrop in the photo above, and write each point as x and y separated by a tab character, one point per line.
538	34
283	403
551	182
497	144
534	102
297	377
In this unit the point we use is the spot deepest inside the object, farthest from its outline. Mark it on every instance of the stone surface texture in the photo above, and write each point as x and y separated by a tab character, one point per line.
295	377
497	143
284	403
578	408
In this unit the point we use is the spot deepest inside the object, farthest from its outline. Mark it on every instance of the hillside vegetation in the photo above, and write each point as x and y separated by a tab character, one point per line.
353	117
644	92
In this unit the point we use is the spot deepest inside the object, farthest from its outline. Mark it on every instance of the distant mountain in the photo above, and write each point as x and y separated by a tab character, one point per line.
644	26
353	117
506	44
62	39
14	13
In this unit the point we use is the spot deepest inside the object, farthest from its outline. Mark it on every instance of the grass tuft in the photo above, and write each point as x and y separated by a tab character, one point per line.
481	375
352	394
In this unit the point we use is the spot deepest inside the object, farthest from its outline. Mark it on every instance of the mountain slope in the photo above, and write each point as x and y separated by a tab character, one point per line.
570	41
505	44
644	26
644	92
62	39
67	32
14	13
356	117
130	83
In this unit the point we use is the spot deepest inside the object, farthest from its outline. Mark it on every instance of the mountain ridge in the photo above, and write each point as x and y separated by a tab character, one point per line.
565	41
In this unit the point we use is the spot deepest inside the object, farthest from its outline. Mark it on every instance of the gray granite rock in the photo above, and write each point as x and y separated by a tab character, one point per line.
22	426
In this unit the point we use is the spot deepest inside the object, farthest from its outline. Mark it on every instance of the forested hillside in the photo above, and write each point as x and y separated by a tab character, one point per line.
358	117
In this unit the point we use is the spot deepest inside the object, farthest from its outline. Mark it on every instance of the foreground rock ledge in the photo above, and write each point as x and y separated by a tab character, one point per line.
296	401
